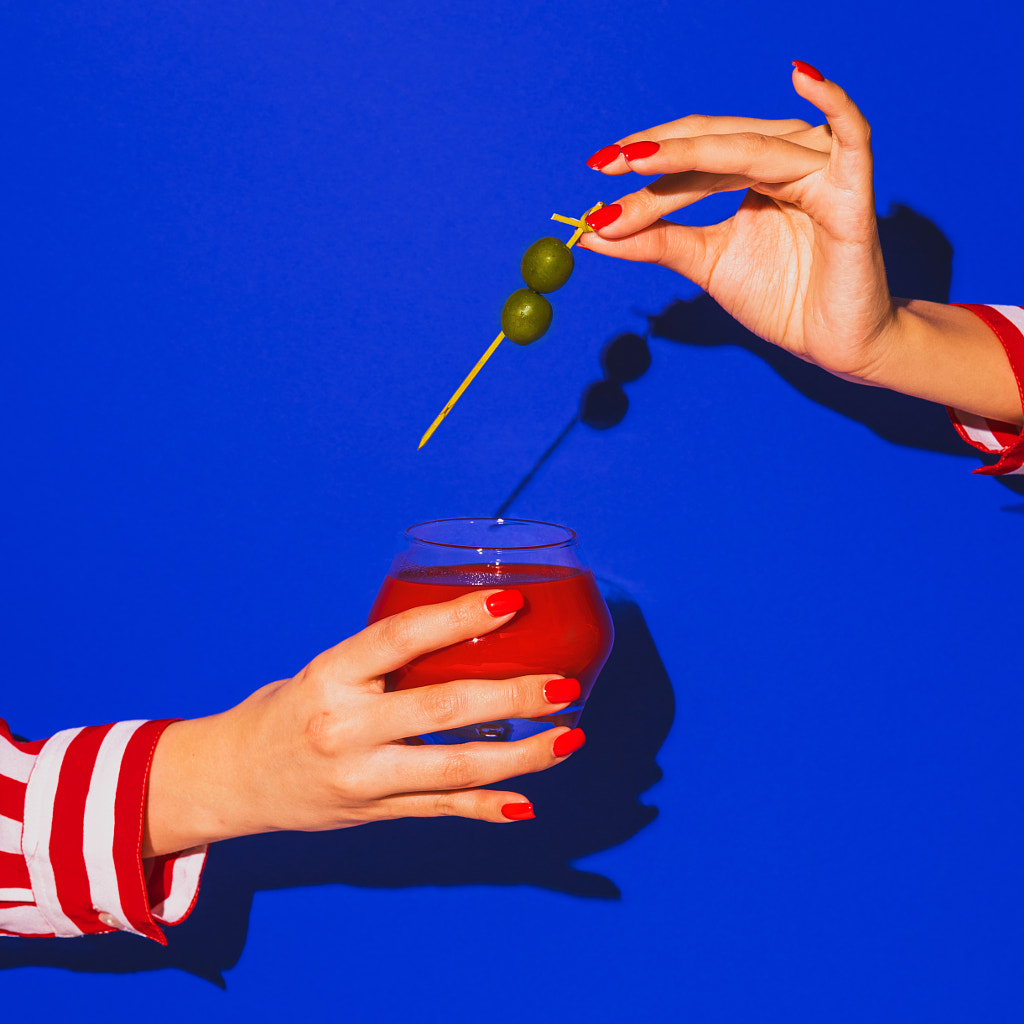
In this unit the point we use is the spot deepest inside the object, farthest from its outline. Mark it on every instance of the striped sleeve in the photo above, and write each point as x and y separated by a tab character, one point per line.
71	824
991	436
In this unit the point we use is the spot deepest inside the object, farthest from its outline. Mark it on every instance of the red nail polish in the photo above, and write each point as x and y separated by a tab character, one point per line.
561	691
603	157
518	812
504	602
811	72
568	742
603	217
639	150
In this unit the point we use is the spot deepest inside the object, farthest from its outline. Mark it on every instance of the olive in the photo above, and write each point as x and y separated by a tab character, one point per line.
547	264
526	316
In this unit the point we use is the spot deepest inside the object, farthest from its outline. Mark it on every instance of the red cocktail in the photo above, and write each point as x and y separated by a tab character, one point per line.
564	626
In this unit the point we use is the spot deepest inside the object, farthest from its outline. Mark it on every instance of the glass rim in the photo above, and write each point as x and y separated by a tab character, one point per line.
569	539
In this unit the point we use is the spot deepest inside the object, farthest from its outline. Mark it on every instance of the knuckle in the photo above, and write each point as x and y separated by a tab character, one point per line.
342	789
392	636
319	732
457	770
519	695
361	782
753	143
446	805
646	204
696	124
755	148
658	248
444	705
527	759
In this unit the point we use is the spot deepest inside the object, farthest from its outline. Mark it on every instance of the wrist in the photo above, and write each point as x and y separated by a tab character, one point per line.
888	346
946	354
880	337
188	800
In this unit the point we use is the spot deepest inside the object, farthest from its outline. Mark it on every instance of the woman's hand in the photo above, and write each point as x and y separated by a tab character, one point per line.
799	263
321	751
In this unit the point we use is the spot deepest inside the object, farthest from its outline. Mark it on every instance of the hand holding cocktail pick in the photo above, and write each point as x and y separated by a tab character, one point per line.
526	316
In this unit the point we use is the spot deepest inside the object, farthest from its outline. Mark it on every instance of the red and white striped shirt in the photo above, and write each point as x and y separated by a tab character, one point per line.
991	436
71	821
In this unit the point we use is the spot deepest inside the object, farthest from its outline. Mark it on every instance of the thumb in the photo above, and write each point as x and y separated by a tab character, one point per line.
850	163
680	247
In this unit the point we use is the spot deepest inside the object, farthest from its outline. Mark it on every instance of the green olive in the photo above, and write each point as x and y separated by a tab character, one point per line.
547	264
526	316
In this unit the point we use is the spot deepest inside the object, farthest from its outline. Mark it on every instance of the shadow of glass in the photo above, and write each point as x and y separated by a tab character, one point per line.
626	719
919	264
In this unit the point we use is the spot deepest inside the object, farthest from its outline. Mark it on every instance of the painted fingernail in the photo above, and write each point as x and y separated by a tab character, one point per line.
568	742
561	691
639	150
504	603
603	157
518	812
603	217
806	69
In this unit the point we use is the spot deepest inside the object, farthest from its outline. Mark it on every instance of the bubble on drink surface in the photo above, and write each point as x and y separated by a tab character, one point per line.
492	576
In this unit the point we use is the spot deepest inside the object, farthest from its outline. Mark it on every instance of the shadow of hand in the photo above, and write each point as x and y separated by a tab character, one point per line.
919	264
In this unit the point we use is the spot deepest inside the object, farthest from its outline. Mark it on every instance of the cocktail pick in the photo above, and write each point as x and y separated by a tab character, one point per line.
581	227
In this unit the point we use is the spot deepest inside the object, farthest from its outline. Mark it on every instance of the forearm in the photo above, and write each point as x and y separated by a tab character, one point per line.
948	355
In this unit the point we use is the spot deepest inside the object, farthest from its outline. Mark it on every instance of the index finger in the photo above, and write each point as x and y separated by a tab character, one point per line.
392	642
692	168
610	162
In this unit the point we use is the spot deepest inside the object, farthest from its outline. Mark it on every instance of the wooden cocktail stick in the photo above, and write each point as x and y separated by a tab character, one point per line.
581	226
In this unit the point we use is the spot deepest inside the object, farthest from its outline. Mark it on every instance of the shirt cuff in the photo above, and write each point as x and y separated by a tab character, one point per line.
991	436
82	841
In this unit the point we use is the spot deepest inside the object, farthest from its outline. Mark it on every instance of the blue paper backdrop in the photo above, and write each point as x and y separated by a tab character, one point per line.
251	249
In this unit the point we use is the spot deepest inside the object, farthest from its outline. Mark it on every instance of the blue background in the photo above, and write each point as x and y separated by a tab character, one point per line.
252	248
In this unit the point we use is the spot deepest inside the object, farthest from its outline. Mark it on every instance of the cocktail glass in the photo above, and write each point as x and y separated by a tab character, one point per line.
564	626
